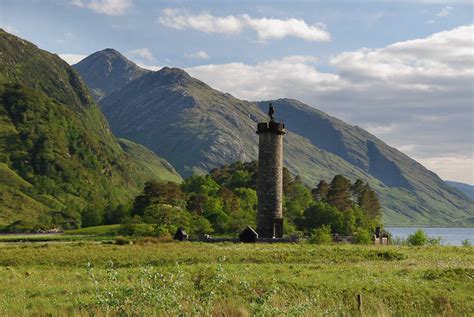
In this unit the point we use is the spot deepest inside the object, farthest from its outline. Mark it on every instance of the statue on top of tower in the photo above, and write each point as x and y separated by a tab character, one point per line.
271	111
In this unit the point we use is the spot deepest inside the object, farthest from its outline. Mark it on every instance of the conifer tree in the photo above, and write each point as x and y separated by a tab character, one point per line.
195	203
369	202
321	191
357	188
339	194
230	200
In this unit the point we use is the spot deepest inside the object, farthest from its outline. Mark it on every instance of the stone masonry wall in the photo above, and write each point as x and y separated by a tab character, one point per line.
270	181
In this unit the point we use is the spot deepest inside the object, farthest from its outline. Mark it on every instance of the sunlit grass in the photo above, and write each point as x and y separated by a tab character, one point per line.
236	279
105	230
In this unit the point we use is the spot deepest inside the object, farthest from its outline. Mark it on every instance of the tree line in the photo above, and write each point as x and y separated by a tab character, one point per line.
224	201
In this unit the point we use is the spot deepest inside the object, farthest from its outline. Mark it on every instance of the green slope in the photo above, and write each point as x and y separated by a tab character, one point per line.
148	163
14	202
56	149
466	189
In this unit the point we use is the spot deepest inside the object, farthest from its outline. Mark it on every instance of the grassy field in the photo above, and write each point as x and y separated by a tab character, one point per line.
97	233
90	278
105	230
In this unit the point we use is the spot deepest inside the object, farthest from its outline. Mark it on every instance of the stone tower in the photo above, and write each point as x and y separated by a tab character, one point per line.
270	178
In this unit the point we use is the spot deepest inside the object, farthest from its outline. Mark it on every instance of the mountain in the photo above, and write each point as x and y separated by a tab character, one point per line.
58	157
466	189
198	128
106	71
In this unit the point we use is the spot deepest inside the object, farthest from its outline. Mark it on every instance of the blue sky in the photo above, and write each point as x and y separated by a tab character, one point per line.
401	69
62	27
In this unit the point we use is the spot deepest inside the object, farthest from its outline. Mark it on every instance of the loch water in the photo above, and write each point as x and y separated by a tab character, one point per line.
449	236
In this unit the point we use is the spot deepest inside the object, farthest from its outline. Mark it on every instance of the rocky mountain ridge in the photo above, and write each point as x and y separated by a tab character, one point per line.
108	70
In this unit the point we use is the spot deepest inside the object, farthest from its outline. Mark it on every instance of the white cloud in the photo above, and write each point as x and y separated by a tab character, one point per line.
430	64
405	148
10	29
72	59
149	67
277	29
416	94
381	130
459	168
446	11
142	53
178	19
108	7
266	28
292	76
199	55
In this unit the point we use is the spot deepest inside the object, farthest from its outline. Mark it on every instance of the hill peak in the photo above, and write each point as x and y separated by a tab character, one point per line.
172	75
109	51
110	54
108	70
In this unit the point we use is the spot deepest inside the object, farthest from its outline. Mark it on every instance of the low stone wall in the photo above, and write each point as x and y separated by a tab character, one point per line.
237	240
214	240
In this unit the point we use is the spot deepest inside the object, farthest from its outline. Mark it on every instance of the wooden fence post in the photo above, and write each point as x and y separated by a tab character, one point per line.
359	302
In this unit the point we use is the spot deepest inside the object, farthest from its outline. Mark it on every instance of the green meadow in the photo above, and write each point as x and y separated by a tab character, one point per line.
152	277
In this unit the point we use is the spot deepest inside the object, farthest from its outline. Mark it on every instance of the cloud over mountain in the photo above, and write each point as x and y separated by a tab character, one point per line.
108	7
72	59
141	53
446	11
199	55
266	28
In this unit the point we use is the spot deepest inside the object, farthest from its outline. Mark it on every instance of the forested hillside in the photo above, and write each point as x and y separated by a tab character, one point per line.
59	162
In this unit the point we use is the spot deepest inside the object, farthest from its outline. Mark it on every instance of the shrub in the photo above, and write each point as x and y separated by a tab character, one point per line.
298	235
418	238
138	229
121	240
387	255
201	225
92	217
289	227
143	230
363	237
321	235
435	240
466	243
161	231
154	240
